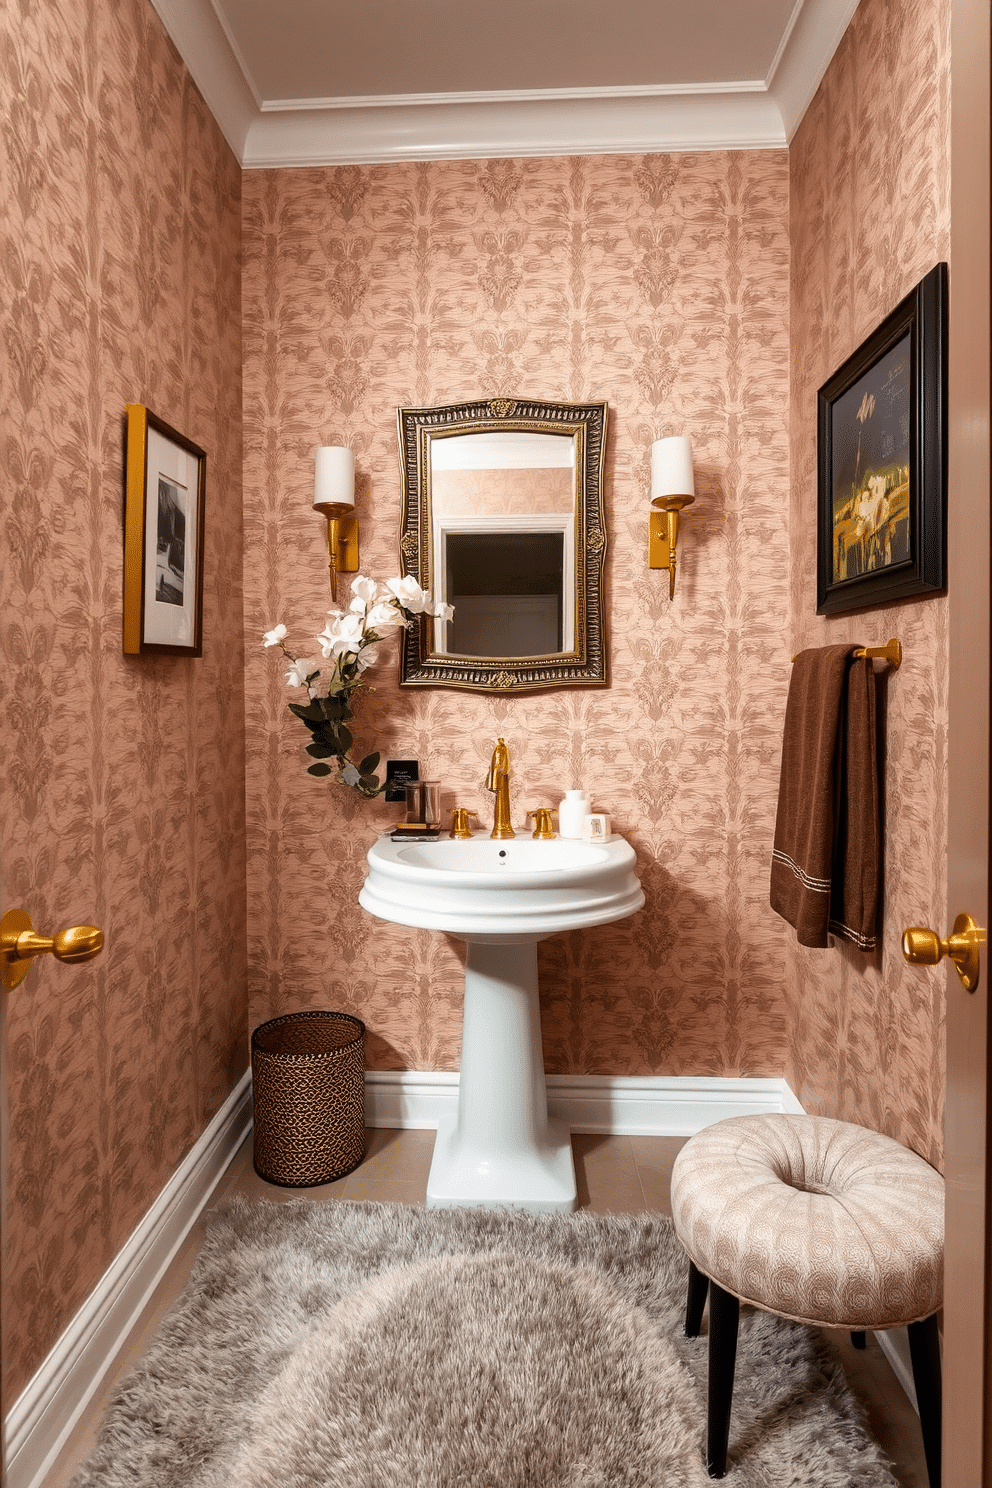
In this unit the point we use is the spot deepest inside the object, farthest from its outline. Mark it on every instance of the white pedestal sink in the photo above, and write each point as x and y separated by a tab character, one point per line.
501	897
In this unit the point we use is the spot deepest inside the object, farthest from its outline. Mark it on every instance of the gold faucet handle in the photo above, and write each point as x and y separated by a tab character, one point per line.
543	824
460	822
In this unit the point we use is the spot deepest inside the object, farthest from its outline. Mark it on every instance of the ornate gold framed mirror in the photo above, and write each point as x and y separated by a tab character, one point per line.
503	520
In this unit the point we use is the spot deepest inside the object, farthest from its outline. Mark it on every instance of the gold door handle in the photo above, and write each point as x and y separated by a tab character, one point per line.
19	944
923	947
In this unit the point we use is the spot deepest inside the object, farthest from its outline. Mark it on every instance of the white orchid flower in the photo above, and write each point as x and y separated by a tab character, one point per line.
365	590
273	637
409	594
350	775
367	656
299	671
385	615
344	634
442	611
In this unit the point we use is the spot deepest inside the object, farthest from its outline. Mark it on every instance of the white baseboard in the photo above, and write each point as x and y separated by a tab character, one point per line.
894	1344
42	1417
627	1105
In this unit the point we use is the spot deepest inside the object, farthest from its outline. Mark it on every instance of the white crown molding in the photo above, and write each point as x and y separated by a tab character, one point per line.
506	95
604	124
594	121
202	43
814	35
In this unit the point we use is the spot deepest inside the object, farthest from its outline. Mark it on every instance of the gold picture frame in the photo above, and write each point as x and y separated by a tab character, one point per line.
165	481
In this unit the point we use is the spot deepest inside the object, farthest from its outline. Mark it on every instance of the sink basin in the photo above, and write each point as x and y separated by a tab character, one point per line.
501	897
486	855
486	889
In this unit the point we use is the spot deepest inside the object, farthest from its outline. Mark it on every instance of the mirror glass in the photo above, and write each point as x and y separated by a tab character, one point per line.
503	519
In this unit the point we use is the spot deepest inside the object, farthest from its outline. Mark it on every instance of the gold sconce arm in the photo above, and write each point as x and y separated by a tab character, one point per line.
19	944
664	534
342	539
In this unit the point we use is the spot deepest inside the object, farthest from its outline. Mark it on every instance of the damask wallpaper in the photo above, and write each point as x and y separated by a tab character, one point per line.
698	293
658	284
870	216
123	779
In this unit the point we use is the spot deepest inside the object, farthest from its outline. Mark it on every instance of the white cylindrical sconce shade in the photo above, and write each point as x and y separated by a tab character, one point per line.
334	476
671	467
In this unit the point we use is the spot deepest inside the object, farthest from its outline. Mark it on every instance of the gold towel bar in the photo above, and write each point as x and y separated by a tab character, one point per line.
890	652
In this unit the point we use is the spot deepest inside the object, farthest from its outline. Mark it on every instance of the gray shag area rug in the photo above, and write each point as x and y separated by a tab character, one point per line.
318	1345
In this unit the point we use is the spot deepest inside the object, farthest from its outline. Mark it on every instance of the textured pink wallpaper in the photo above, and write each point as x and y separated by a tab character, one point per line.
870	216
122	777
659	284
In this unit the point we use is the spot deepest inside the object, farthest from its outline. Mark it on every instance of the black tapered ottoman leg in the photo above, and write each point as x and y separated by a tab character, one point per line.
695	1301
859	1340
724	1317
924	1351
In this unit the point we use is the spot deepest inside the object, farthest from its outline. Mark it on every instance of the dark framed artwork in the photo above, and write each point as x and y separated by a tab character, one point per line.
882	460
163	538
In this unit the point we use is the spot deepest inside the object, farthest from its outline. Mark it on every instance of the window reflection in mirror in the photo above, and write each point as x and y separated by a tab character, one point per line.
503	519
507	591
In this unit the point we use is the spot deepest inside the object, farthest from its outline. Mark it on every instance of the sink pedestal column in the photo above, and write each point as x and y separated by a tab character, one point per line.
501	1149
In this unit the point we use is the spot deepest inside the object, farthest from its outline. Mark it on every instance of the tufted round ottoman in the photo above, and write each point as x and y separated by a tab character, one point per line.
815	1220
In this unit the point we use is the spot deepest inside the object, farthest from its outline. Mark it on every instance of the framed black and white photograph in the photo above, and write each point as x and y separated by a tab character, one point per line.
163	538
882	461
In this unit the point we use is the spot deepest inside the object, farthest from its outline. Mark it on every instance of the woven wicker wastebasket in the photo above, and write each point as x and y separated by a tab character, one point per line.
308	1079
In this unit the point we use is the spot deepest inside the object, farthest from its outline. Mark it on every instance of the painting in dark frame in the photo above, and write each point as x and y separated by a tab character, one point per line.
882	460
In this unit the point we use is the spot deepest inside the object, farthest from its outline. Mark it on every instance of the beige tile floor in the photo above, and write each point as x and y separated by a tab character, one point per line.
615	1175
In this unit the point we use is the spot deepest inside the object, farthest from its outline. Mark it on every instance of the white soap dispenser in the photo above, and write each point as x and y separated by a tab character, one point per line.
572	813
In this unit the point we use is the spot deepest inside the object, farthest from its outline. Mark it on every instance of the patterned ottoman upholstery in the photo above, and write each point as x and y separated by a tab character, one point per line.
815	1220
818	1221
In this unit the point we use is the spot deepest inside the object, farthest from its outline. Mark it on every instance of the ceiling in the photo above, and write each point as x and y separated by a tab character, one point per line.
330	82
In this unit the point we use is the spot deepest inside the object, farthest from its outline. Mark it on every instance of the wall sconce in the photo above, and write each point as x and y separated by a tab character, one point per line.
334	495
672	488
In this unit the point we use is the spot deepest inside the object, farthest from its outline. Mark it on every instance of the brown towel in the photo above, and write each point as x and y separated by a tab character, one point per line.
825	861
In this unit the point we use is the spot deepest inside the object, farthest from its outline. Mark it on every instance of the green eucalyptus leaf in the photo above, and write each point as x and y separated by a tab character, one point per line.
369	784
344	738
321	751
320	769
368	764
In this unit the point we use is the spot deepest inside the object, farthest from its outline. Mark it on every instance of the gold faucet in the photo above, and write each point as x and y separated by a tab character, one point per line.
498	780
